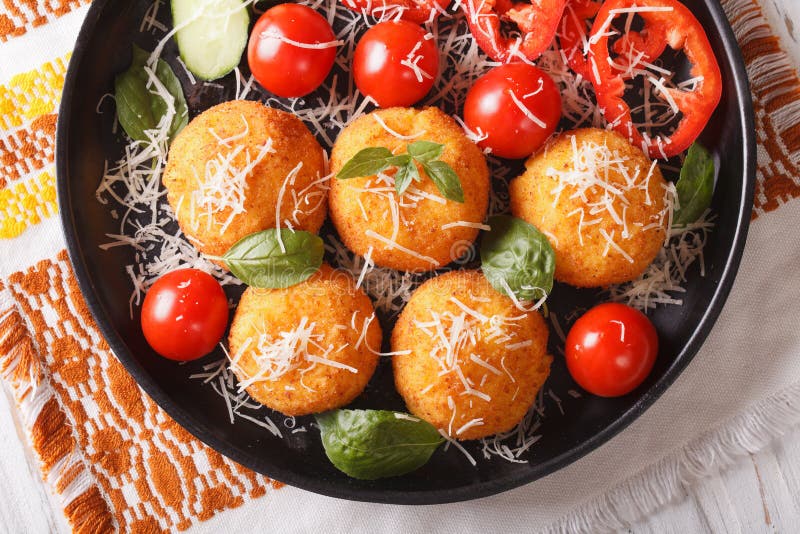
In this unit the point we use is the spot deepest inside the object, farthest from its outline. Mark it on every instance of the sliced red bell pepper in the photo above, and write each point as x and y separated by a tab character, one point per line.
632	48
573	33
419	11
681	31
537	23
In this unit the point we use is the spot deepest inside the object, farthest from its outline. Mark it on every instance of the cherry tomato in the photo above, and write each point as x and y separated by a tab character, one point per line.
283	68
611	349
395	63
494	107
184	314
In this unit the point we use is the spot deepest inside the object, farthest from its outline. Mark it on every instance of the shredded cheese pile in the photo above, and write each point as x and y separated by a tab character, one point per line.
219	376
455	336
665	277
223	187
594	178
298	348
511	445
389	289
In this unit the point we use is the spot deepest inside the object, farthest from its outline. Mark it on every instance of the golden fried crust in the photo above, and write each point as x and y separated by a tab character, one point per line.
426	391
421	221
197	147
587	259
329	299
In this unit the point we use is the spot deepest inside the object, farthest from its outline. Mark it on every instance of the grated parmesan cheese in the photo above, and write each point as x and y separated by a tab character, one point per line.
588	179
222	188
300	348
239	404
455	336
467	224
527	112
389	289
664	279
383	125
298	44
391	245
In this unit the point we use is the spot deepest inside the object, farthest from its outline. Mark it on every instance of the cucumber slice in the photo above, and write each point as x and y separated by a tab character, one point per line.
212	42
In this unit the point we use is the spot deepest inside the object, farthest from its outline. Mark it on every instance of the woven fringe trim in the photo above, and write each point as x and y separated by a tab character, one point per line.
49	431
663	482
773	77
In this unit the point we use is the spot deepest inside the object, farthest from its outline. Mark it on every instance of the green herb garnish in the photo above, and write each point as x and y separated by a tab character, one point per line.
258	260
516	256
141	108
695	186
426	154
371	444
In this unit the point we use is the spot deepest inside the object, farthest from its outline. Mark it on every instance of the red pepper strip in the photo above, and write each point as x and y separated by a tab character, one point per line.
537	23
639	46
419	11
574	33
682	31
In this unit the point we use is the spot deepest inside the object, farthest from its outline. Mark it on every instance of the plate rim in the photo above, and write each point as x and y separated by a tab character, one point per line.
422	497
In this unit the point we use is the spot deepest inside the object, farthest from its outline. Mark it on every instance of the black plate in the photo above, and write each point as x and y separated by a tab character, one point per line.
85	142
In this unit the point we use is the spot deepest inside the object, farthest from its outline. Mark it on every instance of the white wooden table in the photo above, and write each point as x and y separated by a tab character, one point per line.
761	493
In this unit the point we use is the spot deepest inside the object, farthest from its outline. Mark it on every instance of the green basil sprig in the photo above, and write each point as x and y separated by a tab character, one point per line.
258	261
695	185
425	151
138	109
371	444
373	160
516	254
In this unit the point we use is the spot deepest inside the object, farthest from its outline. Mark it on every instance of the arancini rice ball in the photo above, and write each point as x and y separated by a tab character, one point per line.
230	167
421	230
476	362
308	348
601	202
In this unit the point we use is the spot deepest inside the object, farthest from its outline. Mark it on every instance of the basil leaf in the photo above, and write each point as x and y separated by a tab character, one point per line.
404	175
446	180
373	160
371	444
399	161
695	186
425	151
258	261
138	108
517	254
366	162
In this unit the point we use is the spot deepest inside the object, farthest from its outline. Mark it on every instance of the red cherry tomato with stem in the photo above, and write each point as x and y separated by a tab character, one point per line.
611	349
184	314
288	69
395	63
517	106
